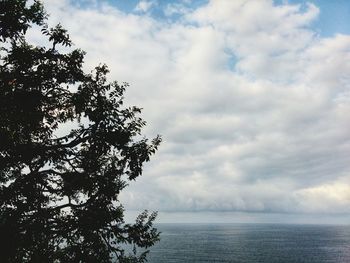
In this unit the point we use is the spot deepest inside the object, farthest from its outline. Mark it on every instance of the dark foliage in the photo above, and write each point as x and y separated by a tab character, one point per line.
59	193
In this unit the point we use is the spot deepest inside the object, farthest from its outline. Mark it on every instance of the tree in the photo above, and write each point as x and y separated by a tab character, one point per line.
59	193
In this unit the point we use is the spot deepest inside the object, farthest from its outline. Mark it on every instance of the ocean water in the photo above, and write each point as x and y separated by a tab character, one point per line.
248	243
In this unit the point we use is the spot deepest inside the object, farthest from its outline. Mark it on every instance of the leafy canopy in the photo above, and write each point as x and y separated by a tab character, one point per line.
59	193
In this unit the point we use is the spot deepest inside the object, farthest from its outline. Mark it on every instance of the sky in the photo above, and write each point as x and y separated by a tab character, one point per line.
252	99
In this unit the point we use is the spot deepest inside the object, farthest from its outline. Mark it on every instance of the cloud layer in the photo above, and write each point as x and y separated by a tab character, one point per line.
252	103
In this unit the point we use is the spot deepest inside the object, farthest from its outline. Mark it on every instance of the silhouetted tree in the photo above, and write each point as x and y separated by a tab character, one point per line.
59	186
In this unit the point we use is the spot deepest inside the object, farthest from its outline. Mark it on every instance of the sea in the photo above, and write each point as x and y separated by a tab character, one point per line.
248	243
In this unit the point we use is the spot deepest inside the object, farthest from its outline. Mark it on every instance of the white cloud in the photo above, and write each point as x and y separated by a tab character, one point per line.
144	6
269	133
176	9
333	197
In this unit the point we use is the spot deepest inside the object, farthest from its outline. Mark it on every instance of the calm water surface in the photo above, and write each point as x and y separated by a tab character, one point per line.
247	243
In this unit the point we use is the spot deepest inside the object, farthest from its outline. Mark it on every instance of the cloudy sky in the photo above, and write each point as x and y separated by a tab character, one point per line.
251	97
